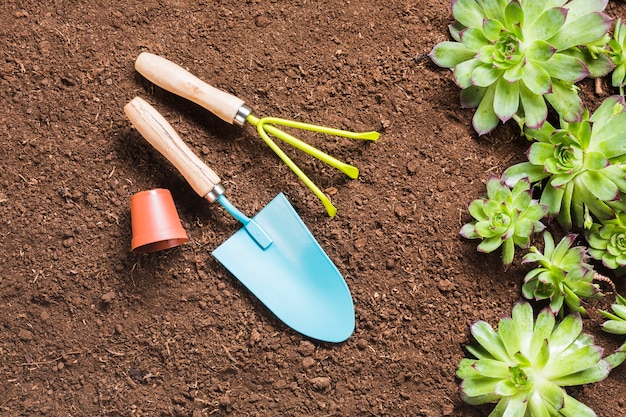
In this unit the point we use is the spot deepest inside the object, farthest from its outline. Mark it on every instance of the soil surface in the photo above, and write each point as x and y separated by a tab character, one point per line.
88	328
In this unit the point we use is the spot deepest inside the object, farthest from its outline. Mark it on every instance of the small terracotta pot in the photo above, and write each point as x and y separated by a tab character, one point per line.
155	222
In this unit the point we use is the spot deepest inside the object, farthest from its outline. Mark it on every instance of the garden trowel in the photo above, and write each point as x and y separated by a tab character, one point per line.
274	254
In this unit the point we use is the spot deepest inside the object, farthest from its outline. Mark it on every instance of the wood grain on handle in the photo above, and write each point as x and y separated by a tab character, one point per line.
156	130
178	80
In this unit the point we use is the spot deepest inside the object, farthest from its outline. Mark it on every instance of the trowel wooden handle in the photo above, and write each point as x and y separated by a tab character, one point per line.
178	80
156	130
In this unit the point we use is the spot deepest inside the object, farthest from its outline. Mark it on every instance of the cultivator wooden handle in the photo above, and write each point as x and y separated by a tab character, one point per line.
156	130
178	80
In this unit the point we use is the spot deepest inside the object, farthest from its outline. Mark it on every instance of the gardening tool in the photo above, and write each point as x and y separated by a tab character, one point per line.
274	255
231	109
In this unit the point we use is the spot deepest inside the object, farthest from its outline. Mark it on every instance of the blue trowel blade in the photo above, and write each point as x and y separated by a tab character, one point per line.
293	277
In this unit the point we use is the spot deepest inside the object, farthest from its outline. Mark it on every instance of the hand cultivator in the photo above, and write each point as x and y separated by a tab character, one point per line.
231	109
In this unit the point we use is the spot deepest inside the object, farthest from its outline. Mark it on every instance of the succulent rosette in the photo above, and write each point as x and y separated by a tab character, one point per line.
509	57
584	164
607	242
505	217
563	274
524	365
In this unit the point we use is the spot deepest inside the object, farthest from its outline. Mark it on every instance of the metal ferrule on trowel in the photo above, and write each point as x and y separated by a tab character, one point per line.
156	130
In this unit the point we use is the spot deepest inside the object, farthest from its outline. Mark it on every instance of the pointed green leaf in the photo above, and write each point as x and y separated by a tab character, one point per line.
524	170
616	359
492	368
574	408
462	72
489	340
523	322
490	244
492	29
473	39
565	67
472	96
468	12
546	25
468	231
494	9
516	407
485	75
539	50
600	186
534	107
475	208
548	244
479	386
620	310
595	161
579	8
596	373
614	327
551	393
561	248
466	369
536	79
537	406
544	326
506	100
514	73
609	108
513	14
586	29
564	334
450	54
618	78
539	152
485	119
581	359
510	338
553	198
566	102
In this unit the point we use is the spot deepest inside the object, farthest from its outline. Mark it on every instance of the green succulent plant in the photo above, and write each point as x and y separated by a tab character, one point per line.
510	56
563	275
505	217
524	365
617	53
584	164
607	242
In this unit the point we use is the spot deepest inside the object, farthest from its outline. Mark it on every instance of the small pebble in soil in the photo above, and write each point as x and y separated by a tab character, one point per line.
108	297
445	285
308	362
320	383
255	337
306	348
280	384
262	21
25	335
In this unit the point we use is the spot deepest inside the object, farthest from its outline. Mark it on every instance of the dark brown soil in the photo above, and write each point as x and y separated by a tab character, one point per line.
89	329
